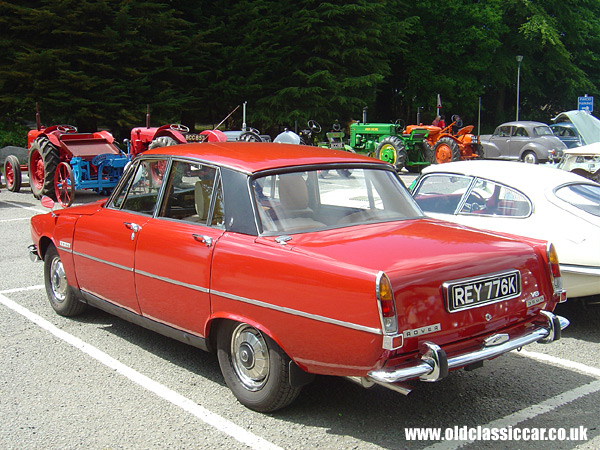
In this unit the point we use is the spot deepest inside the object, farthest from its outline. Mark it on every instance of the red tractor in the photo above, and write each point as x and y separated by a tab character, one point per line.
145	138
61	160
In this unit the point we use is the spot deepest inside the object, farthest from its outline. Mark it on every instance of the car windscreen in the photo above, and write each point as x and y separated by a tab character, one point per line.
583	196
295	202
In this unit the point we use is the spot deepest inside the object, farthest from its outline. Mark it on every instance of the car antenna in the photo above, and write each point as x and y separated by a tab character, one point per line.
228	115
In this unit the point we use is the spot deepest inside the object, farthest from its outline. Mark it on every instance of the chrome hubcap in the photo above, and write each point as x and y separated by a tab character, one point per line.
250	357
58	280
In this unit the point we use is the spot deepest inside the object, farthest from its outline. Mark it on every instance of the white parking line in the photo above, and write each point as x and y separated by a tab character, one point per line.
15	220
16	205
565	363
512	420
210	418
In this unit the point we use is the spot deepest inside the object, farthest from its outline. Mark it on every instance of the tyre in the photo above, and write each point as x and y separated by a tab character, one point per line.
43	159
12	173
446	150
391	150
428	153
255	368
62	297
530	158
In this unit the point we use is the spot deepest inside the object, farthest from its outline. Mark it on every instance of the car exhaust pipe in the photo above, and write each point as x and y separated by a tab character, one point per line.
368	383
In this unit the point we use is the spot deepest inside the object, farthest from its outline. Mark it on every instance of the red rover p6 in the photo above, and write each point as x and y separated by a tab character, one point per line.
243	249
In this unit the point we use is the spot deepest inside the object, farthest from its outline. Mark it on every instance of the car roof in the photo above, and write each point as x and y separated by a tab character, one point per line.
516	174
251	157
523	123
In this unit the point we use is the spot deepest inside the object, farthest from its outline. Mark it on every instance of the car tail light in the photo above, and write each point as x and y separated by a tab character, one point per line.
555	272
386	304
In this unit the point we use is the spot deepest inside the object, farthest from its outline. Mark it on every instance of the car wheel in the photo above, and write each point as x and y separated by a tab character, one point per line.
12	173
391	150
255	368
530	158
62	297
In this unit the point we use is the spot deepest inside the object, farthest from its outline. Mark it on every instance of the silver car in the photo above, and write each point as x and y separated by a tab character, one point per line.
531	142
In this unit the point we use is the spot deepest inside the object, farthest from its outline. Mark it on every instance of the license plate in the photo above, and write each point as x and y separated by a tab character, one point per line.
475	292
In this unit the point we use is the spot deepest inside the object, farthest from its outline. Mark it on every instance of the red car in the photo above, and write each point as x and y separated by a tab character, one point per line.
243	249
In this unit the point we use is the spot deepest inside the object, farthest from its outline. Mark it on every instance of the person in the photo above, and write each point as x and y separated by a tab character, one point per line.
436	121
442	122
458	123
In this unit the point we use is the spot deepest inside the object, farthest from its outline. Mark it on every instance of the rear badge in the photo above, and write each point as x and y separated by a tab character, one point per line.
422	330
64	244
534	301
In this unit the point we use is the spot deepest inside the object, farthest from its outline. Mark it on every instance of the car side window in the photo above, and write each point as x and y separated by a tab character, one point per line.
494	199
503	131
141	192
441	193
520	132
194	194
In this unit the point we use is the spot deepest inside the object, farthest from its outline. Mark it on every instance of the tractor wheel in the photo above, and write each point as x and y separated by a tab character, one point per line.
43	159
446	150
64	184
391	150
12	173
477	150
417	168
428	153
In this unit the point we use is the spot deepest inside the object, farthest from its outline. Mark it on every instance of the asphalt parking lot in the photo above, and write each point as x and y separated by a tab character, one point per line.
99	382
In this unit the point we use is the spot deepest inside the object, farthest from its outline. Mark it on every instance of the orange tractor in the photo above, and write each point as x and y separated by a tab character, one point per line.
446	145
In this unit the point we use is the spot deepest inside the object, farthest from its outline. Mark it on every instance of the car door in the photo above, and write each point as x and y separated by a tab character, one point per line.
174	249
499	142
520	137
104	243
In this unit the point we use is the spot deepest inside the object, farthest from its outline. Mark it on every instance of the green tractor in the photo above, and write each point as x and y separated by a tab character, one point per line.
387	142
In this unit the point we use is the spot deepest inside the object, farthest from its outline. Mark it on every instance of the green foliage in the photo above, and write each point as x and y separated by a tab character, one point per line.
13	134
98	63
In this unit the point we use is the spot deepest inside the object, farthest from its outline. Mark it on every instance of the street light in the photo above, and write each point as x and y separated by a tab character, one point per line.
519	59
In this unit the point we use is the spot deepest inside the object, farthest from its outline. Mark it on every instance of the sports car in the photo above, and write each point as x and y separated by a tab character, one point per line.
536	201
243	249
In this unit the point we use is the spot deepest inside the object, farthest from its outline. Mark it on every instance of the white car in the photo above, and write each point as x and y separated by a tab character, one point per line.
522	199
584	161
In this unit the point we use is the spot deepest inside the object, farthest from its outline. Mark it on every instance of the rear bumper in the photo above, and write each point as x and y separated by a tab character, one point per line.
435	365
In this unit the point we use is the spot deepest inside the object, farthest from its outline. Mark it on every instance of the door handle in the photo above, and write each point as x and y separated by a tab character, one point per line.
206	240
134	227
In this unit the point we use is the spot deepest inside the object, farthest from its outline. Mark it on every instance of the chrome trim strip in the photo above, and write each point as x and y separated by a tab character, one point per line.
295	312
284	309
580	270
171	281
112	264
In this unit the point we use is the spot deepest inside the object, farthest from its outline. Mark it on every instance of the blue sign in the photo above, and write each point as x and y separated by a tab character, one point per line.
585	104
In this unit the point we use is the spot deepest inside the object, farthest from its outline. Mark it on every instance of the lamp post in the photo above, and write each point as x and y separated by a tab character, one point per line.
519	59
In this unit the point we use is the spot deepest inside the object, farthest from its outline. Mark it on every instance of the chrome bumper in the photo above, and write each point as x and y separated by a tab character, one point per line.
33	253
435	365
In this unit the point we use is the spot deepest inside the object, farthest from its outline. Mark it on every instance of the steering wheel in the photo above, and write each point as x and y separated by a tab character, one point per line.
399	123
179	127
314	126
250	136
475	201
336	127
253	130
66	128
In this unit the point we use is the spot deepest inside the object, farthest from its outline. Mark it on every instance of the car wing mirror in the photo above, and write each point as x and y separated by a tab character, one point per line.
47	202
